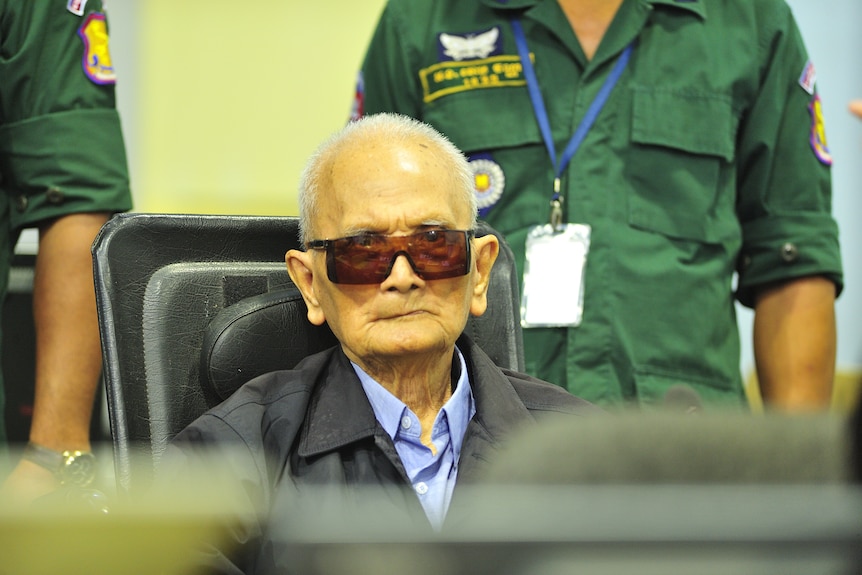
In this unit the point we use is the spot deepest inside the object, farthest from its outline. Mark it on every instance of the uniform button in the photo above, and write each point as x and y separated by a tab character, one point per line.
789	253
55	196
421	488
21	202
405	422
745	263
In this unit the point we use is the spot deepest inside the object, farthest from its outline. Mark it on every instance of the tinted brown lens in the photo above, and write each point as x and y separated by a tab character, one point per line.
440	254
368	259
359	259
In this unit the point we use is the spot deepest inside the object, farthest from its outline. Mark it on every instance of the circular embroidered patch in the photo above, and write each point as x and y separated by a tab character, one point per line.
488	181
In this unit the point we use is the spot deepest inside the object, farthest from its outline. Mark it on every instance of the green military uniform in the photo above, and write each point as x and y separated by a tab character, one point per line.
709	157
61	148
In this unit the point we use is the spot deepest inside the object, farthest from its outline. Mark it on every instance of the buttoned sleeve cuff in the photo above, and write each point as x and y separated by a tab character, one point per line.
788	246
68	162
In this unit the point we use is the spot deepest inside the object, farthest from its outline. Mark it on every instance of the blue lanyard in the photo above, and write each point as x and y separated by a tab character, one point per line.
542	114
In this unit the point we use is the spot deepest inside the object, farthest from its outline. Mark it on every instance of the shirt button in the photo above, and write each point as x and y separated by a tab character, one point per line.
21	202
421	488
789	252
55	196
406	423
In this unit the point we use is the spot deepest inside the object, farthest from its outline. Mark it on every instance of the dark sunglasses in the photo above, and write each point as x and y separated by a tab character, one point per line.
368	258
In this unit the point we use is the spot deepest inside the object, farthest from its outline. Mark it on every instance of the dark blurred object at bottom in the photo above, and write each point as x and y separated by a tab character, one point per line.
588	530
632	493
672	447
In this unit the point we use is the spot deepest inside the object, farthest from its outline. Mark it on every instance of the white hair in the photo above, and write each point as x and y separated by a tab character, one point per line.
394	128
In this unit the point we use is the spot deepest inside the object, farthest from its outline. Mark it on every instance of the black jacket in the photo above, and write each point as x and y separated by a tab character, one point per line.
313	425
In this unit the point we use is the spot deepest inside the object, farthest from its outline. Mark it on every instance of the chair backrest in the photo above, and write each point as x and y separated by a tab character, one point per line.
192	306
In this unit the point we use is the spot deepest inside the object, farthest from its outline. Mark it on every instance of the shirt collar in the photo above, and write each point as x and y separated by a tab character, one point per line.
389	410
513	4
696	6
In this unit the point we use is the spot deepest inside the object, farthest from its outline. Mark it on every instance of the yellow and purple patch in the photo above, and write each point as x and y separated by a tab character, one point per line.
97	59
818	132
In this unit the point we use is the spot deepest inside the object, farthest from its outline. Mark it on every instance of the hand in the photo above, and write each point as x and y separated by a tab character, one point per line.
856	108
27	482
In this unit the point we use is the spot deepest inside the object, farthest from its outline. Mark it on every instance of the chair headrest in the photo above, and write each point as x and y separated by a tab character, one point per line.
256	335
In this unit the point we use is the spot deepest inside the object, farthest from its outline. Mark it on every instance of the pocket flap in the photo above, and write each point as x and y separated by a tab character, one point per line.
695	123
513	125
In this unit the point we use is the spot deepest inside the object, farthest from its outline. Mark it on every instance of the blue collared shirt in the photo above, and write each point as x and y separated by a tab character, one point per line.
431	475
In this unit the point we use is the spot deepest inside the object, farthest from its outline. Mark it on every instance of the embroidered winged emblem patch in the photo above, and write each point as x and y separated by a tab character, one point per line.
471	46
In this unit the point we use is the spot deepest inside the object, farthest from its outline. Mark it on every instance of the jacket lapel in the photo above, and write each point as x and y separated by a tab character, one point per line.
339	413
498	411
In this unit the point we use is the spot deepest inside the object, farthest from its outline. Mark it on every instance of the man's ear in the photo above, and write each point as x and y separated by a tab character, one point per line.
485	251
301	271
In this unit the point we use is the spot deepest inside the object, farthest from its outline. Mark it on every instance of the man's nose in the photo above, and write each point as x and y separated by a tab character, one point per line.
402	272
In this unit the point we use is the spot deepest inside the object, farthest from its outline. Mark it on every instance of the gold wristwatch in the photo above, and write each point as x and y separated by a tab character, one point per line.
69	467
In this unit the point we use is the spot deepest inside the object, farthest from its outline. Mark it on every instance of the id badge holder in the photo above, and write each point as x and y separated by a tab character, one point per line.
556	258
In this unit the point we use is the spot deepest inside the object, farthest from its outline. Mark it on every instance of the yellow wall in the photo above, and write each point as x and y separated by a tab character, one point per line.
234	96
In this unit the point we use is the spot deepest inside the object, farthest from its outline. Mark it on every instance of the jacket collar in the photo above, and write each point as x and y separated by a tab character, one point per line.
499	410
339	412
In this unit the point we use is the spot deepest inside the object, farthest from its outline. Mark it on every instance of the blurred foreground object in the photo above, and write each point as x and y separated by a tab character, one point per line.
665	492
590	530
155	535
677	447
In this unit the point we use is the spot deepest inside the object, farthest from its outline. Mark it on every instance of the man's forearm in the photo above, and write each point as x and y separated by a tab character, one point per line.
794	344
68	351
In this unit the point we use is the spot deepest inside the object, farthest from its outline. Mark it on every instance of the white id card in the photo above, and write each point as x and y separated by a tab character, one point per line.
553	293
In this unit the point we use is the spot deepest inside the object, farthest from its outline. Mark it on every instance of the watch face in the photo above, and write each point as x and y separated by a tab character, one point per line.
78	468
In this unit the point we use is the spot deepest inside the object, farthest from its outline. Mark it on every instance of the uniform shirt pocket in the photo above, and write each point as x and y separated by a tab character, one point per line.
680	164
485	119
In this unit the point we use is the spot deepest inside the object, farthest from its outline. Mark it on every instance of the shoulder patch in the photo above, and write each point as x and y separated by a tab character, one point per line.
97	59
808	77
818	132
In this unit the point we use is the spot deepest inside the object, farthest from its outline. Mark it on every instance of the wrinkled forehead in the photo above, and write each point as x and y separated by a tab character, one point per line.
386	187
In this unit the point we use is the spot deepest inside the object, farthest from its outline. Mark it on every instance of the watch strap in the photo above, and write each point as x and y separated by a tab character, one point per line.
69	467
44	457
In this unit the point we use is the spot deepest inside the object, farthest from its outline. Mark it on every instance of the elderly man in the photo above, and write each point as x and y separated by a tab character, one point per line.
406	400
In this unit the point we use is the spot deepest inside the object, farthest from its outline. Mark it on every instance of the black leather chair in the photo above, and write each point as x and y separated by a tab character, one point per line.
192	306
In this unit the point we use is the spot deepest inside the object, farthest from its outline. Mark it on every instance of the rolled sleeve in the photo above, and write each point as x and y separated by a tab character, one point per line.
788	246
67	162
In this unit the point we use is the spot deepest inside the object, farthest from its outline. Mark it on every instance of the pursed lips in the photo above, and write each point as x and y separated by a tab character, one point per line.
400	314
